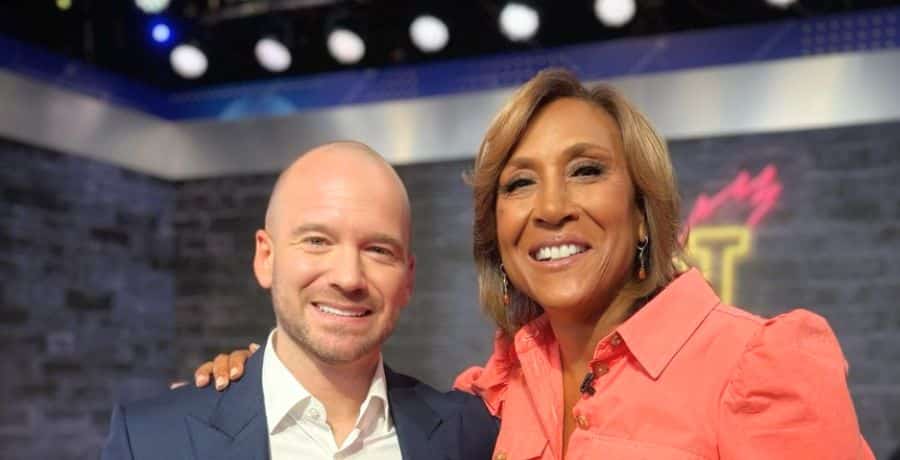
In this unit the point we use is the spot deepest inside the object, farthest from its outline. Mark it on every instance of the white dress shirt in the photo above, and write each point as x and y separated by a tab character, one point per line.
297	421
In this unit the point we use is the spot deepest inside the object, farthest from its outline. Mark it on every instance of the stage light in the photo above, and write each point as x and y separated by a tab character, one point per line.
64	5
152	6
781	3
272	55
346	46
614	13
161	33
429	33
188	61
519	22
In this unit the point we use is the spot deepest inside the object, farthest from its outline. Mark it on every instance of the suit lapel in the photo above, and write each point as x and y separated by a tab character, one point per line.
251	443
416	422
237	428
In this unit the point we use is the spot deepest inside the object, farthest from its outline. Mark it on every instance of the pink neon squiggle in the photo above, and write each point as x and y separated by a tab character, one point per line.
761	192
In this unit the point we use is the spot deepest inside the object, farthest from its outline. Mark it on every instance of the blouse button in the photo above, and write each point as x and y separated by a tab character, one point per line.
616	340
582	422
500	456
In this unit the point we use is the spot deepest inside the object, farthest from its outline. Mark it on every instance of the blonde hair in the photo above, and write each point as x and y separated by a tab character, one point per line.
648	165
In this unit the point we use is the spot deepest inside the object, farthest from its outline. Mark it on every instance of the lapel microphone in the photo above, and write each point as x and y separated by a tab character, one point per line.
587	385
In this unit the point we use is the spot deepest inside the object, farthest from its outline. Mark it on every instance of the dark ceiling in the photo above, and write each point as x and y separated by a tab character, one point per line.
114	34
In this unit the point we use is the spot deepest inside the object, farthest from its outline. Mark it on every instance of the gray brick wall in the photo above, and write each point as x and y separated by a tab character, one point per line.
828	245
218	306
87	290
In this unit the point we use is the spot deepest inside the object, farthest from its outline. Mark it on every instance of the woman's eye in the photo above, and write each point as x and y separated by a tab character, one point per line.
588	170
515	184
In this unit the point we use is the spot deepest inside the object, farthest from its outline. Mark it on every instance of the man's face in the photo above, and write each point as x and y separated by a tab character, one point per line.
338	260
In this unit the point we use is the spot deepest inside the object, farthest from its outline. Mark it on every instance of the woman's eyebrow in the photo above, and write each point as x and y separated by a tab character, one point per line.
581	148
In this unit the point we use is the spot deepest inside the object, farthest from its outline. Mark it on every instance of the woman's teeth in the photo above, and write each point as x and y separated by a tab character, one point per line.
336	312
558	252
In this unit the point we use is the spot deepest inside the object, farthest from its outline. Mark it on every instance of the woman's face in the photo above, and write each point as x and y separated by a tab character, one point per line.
567	223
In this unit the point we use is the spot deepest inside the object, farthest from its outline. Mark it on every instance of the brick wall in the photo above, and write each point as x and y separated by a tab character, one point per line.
828	245
218	306
87	290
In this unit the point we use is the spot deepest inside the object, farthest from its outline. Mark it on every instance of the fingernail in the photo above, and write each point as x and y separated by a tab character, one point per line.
220	383
201	380
233	372
254	346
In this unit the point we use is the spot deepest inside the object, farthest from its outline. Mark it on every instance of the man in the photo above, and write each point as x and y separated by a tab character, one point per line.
335	254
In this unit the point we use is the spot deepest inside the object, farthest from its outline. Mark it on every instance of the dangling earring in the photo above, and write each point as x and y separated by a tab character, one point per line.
505	286
642	270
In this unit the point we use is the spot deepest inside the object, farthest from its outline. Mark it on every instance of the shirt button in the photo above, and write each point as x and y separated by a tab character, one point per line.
313	414
500	456
600	369
582	422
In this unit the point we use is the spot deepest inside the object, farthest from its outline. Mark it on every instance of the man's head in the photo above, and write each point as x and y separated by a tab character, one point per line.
335	252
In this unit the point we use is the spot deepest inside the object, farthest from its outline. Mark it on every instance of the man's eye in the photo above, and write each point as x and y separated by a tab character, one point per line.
315	241
516	184
382	251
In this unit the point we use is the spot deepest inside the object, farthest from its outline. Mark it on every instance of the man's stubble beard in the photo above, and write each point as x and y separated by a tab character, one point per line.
297	329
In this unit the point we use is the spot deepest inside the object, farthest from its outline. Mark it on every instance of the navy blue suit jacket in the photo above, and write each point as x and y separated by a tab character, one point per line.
192	423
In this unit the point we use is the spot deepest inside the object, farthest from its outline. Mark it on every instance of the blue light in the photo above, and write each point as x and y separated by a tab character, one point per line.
161	33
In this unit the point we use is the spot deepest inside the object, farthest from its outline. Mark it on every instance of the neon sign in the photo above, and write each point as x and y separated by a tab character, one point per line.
717	249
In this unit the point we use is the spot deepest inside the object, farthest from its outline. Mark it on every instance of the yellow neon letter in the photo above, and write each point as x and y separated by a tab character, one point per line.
731	243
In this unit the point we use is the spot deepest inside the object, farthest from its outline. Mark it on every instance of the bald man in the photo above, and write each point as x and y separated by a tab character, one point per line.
335	254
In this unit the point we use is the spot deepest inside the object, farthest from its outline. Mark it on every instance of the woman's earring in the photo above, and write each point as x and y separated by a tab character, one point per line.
505	286
642	270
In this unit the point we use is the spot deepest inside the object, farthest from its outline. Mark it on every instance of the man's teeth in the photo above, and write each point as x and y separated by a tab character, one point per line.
558	252
335	311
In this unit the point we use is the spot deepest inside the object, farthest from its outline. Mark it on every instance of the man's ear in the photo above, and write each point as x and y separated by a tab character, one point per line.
263	259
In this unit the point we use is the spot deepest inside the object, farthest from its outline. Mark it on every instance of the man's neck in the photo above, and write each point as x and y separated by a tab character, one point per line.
340	387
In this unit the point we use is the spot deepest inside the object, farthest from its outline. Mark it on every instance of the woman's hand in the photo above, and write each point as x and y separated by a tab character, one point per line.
224	368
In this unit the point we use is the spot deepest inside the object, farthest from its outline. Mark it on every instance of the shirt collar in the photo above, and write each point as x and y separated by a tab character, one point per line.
376	401
656	333
282	393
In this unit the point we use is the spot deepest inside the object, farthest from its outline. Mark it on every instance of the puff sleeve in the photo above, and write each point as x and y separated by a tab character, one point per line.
491	381
788	396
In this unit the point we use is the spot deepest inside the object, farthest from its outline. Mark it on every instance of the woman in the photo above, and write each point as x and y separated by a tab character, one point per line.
604	349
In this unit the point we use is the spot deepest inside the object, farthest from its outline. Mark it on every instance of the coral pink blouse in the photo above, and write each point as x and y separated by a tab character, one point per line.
685	377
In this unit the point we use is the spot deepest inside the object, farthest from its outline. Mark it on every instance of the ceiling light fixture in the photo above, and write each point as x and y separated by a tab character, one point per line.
188	61
346	46
152	6
615	13
161	33
519	22
429	33
783	4
272	55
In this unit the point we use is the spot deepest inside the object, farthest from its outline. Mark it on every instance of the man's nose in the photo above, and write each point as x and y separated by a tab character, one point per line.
348	273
